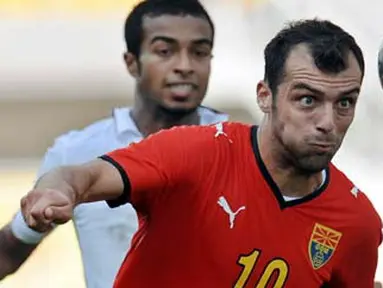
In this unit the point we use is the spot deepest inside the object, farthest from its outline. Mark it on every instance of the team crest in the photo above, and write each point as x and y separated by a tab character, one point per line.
322	245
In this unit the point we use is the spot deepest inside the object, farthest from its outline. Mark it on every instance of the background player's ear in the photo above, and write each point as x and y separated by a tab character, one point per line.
264	97
131	64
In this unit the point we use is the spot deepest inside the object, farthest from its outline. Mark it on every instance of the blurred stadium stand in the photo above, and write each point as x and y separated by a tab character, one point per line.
61	68
58	56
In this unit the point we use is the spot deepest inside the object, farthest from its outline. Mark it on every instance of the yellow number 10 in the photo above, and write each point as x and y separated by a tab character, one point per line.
248	263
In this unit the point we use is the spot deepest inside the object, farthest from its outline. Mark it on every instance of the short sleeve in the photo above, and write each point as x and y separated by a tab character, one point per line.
52	159
166	162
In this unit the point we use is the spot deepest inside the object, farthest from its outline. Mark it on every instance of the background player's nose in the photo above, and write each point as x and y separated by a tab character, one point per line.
184	65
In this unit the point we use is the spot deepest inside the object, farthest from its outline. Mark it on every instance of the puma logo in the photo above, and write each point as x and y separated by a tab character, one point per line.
226	207
220	132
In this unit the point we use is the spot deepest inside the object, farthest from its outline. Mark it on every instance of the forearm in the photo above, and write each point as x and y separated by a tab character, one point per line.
66	179
90	182
13	252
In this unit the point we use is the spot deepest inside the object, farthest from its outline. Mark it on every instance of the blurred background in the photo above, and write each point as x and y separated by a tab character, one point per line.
61	68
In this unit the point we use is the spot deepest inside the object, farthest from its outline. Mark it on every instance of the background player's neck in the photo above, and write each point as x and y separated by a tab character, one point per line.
150	119
289	180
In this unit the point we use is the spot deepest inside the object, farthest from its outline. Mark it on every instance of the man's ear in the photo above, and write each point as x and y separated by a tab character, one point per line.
264	97
131	63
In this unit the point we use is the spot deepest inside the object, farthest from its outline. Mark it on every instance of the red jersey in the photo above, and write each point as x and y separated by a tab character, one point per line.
211	216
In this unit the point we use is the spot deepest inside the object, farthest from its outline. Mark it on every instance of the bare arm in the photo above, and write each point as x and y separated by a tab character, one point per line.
59	191
93	181
13	252
136	174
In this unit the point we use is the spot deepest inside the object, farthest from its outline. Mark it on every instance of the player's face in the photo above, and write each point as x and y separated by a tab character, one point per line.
174	64
313	111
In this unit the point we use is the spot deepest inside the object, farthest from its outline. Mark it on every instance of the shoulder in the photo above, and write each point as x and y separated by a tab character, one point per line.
210	116
81	136
203	133
79	146
193	139
363	217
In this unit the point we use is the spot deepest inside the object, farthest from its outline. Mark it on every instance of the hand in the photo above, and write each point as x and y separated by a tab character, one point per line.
43	207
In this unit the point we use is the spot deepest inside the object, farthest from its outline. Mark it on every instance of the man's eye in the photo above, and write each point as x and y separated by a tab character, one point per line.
163	52
345	103
202	53
307	101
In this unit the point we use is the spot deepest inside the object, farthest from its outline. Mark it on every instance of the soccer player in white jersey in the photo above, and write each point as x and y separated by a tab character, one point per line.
169	46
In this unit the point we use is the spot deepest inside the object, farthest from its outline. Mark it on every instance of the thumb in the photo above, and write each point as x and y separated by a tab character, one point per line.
58	215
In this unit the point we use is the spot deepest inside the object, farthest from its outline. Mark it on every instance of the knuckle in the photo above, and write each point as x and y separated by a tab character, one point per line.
36	213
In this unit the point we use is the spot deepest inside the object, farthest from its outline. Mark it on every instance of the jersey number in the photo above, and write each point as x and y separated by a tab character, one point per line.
248	263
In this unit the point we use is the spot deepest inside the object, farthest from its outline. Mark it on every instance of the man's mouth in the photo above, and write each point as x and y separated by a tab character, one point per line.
181	89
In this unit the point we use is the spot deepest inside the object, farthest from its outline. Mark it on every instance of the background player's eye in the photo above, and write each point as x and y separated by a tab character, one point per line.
307	101
163	52
202	52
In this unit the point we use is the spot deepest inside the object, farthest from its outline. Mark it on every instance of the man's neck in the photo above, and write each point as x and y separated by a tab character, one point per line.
289	180
150	121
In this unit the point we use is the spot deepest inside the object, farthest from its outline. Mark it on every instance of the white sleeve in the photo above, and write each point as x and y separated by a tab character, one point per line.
53	158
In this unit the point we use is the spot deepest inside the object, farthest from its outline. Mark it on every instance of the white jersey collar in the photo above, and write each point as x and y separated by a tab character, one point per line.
124	122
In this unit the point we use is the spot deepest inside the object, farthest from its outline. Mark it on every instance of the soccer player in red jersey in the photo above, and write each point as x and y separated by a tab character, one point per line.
231	205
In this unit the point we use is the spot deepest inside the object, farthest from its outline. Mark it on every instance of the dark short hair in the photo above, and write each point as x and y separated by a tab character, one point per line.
328	43
154	8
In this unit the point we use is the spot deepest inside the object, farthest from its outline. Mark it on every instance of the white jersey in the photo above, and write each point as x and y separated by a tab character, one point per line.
104	234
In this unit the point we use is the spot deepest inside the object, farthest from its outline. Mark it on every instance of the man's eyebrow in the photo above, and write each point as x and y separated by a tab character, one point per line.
304	86
203	41
170	40
164	39
351	91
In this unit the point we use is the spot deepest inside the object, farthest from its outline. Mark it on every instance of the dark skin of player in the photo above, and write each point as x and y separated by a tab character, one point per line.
179	53
175	50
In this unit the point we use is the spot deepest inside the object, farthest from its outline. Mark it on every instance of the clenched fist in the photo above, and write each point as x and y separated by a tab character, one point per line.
42	208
